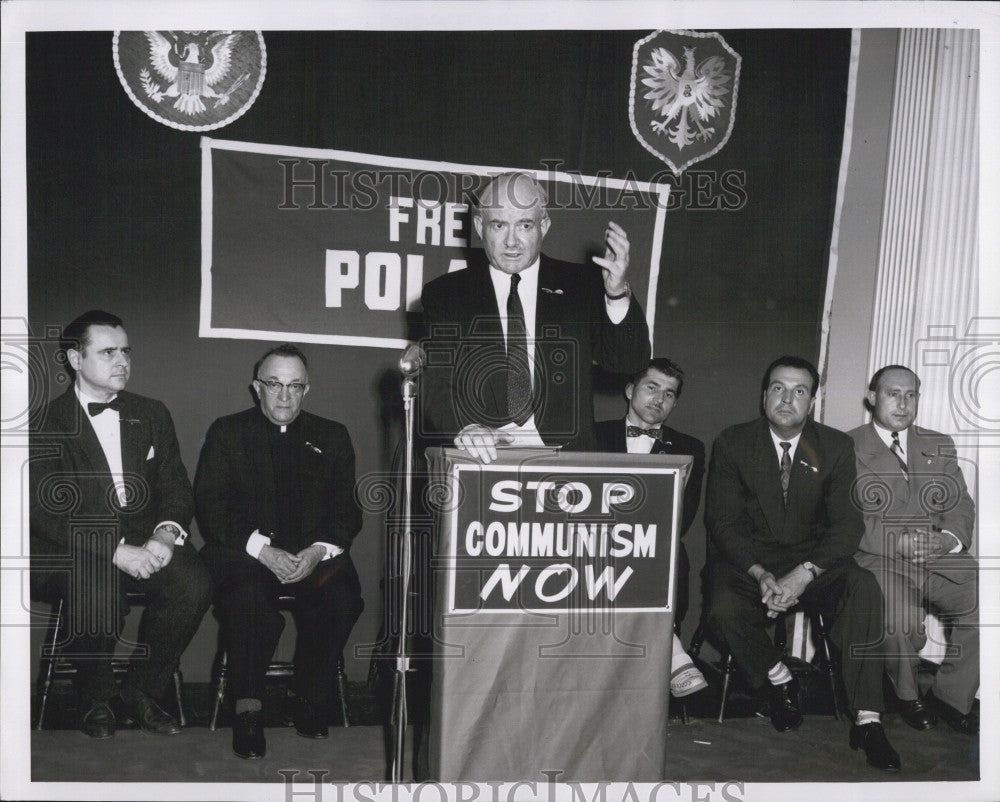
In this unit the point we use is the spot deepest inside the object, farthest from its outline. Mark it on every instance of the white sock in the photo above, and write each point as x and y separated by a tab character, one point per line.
680	657
780	674
867	717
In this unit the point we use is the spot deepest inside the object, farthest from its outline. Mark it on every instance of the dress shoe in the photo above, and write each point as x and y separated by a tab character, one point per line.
785	713
917	714
965	723
871	738
309	723
152	718
98	721
248	735
687	681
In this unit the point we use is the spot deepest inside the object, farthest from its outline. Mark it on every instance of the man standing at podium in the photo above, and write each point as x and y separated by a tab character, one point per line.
512	338
652	394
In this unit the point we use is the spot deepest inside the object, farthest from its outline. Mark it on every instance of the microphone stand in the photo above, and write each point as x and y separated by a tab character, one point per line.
399	705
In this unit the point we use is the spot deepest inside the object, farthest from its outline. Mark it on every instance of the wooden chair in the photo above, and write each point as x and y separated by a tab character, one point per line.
55	666
277	668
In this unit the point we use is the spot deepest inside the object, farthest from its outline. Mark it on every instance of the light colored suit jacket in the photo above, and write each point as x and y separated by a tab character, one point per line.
935	496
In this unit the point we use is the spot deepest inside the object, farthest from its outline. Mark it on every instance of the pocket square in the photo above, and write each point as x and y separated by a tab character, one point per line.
556	291
151	454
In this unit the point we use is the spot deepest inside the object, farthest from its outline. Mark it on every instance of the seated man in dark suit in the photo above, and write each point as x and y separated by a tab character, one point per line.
274	494
919	521
652	394
783	528
110	505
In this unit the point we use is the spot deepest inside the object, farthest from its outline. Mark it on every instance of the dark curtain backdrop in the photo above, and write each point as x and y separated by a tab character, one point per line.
114	210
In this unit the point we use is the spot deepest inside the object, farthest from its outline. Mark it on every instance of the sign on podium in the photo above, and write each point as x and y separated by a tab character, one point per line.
554	593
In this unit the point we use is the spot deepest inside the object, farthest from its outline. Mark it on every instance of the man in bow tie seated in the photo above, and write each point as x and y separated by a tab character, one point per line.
512	338
782	529
652	394
919	522
110	505
274	495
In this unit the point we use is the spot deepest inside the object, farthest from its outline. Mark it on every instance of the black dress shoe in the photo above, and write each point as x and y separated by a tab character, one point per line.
309	723
98	721
248	735
785	713
917	714
965	723
871	738
152	718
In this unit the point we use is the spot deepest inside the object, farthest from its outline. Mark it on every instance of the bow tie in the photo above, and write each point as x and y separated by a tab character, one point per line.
638	431
96	409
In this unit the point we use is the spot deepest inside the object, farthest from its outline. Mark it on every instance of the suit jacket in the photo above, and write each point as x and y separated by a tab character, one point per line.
934	496
235	492
71	481
746	519
610	436
465	380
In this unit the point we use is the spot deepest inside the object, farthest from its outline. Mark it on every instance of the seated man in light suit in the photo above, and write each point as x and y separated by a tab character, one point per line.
652	394
919	521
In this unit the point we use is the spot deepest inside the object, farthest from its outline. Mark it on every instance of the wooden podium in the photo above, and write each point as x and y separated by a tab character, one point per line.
554	592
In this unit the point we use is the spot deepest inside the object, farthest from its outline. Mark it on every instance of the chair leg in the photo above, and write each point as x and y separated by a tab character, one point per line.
727	673
178	688
342	690
220	691
828	664
45	677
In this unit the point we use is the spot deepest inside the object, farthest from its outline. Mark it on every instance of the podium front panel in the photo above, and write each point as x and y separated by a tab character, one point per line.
554	588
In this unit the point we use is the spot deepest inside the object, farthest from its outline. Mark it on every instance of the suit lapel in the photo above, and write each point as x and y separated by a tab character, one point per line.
767	479
876	457
135	446
73	419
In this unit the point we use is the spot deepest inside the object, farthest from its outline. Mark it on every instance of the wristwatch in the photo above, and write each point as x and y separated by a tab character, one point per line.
624	294
812	569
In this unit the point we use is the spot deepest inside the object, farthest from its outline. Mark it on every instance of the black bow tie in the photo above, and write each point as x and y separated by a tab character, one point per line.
638	431
96	409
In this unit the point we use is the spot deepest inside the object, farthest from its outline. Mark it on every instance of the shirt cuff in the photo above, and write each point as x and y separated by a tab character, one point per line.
617	309
331	550
181	538
256	542
958	543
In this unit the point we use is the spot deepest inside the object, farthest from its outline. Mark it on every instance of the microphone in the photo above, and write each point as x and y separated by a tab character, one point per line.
412	361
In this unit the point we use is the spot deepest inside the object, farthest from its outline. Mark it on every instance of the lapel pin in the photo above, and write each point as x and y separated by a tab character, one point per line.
310	445
556	291
805	464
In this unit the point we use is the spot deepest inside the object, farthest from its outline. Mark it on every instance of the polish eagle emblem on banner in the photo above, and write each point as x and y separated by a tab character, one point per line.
682	98
191	80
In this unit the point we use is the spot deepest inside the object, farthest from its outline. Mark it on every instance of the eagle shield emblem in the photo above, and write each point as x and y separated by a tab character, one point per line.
191	80
682	98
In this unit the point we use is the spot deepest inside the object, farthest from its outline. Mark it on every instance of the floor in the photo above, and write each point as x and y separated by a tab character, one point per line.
744	748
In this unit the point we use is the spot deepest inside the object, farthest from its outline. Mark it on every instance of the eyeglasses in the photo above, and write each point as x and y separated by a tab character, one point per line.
272	387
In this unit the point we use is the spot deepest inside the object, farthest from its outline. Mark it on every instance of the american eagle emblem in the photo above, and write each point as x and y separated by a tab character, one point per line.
191	79
688	83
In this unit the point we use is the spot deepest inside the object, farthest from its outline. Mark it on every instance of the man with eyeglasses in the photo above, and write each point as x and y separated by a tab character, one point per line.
274	497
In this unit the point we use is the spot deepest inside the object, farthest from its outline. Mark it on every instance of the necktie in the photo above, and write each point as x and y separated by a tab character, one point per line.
786	470
95	408
638	431
897	451
518	367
